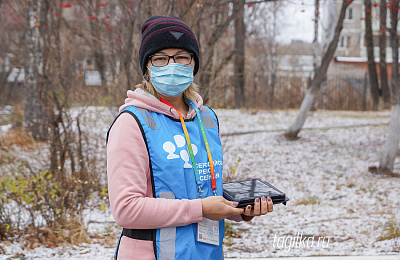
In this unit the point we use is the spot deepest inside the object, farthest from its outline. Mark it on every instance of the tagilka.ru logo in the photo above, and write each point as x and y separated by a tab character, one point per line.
180	142
300	241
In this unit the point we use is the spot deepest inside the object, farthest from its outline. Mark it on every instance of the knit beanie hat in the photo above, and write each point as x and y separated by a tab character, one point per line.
162	32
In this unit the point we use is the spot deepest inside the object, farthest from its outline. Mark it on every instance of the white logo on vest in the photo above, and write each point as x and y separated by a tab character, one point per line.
180	142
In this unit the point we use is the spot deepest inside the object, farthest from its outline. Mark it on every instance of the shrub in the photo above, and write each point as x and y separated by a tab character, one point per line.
46	205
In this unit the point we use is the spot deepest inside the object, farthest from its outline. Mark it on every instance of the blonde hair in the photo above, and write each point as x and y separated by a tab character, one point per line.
190	92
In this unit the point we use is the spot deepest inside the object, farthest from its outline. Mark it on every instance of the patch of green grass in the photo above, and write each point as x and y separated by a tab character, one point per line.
230	233
307	201
391	230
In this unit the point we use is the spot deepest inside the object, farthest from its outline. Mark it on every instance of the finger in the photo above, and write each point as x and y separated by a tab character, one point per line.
270	204
230	203
264	206
247	211
257	205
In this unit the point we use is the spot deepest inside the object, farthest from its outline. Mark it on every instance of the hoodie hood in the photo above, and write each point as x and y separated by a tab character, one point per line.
142	99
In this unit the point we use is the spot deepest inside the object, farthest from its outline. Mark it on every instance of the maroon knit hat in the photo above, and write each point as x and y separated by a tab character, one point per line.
162	32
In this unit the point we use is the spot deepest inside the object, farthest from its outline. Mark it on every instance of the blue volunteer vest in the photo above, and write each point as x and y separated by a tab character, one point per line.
173	178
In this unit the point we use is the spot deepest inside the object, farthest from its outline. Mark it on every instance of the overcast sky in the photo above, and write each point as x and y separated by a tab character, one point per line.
299	22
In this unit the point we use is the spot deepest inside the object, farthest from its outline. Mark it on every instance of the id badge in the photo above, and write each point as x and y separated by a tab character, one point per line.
208	231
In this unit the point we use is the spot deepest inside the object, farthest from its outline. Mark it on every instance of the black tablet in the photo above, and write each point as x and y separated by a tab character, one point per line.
246	191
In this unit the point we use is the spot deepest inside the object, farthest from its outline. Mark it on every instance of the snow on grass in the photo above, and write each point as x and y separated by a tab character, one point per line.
350	206
243	120
324	173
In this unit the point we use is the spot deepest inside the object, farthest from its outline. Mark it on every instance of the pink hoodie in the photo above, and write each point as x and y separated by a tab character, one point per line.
129	182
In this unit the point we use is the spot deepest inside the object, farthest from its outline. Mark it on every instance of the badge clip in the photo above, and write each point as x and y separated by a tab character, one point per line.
200	194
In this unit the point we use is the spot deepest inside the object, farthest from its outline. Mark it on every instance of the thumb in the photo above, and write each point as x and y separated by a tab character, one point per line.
236	211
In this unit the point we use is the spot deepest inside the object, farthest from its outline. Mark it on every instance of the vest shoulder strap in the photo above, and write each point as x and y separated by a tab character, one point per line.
148	117
207	117
146	114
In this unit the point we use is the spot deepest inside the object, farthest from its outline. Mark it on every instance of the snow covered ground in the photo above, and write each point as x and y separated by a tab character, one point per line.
336	206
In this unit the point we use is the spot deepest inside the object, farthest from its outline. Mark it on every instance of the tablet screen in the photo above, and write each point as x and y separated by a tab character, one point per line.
250	189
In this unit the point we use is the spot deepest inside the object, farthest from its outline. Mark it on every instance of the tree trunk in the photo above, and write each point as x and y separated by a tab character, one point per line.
171	7
315	44
389	150
272	55
210	41
209	97
382	55
34	115
133	24
319	77
96	40
328	31
391	146
240	34
1	7
373	76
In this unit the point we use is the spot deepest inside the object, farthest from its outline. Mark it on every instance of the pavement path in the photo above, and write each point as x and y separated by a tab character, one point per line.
303	129
380	257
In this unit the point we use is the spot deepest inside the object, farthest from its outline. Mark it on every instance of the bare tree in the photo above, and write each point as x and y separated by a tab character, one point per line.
315	41
52	86
239	60
270	28
373	76
171	7
328	32
1	7
382	54
209	35
389	150
216	20
34	116
126	48
316	47
319	77
95	37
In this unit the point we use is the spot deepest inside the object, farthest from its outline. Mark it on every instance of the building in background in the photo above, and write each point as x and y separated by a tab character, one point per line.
351	53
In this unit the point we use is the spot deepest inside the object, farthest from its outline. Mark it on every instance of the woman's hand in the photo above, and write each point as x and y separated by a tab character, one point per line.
261	207
218	208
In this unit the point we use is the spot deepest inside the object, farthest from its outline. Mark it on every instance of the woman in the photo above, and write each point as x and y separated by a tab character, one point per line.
164	157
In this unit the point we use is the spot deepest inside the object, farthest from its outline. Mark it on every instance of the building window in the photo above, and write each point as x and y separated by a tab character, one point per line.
377	13
349	13
345	41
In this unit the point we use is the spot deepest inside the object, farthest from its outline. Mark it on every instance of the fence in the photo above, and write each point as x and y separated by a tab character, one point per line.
344	92
340	92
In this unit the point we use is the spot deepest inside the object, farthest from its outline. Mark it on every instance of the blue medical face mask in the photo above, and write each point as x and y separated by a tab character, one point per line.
172	79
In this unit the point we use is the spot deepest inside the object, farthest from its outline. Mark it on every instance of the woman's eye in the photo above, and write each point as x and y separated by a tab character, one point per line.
159	58
182	57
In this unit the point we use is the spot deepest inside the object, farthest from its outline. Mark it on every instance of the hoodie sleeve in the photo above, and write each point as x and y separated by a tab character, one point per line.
129	184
